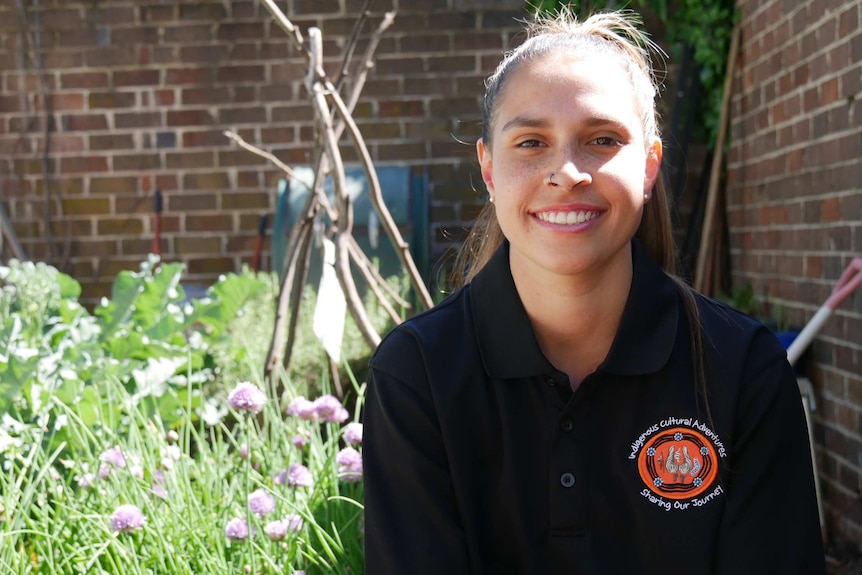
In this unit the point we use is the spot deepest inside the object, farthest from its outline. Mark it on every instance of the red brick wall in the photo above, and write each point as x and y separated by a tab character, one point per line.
795	206
140	93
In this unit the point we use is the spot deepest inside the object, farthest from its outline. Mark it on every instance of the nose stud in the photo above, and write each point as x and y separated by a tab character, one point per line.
550	180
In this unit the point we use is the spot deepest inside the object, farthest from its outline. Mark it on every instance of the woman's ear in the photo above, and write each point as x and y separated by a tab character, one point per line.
486	164
653	165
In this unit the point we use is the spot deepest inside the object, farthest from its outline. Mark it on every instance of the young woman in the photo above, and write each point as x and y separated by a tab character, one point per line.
575	408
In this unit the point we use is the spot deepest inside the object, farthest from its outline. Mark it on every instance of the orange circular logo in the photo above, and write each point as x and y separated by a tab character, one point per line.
678	463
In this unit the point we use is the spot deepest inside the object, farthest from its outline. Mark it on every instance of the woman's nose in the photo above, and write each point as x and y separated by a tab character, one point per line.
568	175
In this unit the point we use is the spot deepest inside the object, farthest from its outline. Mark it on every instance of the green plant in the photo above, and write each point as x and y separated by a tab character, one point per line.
186	486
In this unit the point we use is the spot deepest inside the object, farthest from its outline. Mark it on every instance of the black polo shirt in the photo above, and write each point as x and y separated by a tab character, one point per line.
480	459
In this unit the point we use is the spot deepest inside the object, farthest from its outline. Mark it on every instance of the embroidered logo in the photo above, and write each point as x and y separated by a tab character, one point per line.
677	460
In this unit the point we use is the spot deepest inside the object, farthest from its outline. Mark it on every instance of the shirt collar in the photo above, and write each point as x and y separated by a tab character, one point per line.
507	342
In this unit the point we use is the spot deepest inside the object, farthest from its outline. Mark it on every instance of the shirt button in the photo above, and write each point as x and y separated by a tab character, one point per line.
567	425
550	381
567	479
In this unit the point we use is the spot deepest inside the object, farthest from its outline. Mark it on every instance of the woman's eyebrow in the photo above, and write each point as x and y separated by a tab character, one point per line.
524	122
591	122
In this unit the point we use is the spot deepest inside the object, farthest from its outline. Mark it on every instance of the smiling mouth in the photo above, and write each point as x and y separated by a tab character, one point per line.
567	218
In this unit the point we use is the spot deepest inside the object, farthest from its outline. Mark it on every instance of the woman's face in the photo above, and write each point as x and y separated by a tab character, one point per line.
576	118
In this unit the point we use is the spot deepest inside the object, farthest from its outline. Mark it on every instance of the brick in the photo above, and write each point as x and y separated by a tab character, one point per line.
403	108
66	143
165	97
233	31
77	37
60	102
110	57
207	11
123	78
111	141
203	96
191	202
398	66
84	164
137	120
197	245
234	115
111	100
188	33
137	162
293	113
246	201
135	35
286	72
247	73
213	265
206	181
277	135
63	60
86	206
186	160
110	268
229	158
209	223
108	185
189	118
119	226
159	13
206	138
73	227
93	248
204	54
189	75
84	122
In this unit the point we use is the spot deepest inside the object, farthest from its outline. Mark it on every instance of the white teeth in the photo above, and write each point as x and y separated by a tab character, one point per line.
567	218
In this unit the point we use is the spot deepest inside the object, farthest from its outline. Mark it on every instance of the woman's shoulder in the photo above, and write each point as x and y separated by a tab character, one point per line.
737	336
431	333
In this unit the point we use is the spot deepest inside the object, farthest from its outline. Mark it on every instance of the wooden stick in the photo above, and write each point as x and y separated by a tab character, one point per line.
715	172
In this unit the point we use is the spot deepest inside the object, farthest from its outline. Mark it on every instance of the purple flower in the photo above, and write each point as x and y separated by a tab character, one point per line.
349	464
104	471
127	518
86	481
243	451
236	528
299	441
329	408
302	408
114	456
278	530
246	396
299	476
260	502
353	433
159	491
137	471
173	436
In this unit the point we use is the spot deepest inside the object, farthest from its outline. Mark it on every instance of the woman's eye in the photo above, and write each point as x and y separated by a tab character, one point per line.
607	141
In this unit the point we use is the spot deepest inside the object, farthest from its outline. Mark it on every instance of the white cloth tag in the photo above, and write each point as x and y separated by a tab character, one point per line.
331	307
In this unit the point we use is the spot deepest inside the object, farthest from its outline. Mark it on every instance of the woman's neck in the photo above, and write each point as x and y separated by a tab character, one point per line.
576	317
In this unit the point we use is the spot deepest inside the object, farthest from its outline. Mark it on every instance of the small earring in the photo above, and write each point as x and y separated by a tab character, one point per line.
646	197
492	199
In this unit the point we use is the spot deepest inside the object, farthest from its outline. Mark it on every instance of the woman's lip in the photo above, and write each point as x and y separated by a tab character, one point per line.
569	216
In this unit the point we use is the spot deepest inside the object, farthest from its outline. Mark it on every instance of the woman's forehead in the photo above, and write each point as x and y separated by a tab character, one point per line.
562	80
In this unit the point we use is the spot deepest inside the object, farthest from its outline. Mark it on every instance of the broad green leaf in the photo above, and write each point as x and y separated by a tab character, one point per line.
230	294
158	291
124	294
69	288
